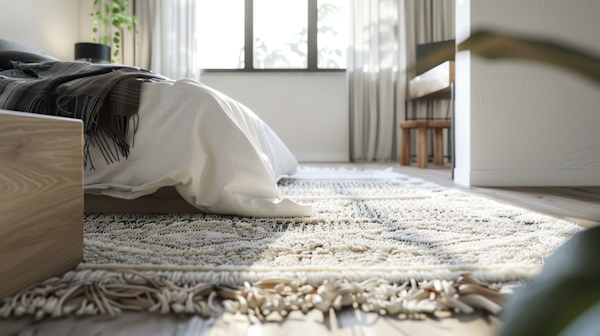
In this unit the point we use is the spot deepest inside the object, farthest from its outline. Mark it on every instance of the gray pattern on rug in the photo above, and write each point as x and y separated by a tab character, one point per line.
436	237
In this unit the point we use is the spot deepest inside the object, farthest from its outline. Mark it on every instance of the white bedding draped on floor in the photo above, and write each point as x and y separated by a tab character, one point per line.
218	154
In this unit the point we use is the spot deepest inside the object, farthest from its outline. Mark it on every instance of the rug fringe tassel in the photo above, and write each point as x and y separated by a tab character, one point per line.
102	292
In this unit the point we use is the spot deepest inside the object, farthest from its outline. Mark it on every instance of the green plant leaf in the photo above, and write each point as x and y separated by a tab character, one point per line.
105	40
568	286
95	3
117	34
92	14
116	54
135	19
116	40
95	30
492	45
129	28
107	9
122	17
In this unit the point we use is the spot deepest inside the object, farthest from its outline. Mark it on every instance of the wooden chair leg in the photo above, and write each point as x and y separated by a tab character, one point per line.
405	147
438	147
422	148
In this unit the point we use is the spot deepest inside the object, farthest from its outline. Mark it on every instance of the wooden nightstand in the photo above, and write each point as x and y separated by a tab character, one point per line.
41	198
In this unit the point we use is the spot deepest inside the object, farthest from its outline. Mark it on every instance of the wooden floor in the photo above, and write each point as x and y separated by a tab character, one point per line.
579	205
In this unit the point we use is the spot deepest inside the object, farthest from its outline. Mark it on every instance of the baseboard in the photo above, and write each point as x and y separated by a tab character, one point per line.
322	156
462	176
533	178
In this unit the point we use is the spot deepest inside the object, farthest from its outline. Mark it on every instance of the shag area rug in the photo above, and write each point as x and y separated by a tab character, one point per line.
377	240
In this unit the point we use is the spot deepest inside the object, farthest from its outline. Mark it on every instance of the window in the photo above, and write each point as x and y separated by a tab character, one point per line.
290	35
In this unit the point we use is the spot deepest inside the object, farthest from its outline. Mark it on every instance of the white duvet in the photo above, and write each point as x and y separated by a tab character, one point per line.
217	154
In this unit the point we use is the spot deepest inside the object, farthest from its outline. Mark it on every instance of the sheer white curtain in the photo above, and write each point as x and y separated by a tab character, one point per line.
430	21
383	39
376	77
167	43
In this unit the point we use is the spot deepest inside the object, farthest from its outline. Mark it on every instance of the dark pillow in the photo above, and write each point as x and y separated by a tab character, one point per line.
22	56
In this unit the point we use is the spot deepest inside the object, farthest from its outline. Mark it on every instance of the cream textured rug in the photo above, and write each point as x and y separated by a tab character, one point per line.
377	240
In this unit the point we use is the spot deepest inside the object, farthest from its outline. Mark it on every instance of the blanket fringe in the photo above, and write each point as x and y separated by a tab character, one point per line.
110	292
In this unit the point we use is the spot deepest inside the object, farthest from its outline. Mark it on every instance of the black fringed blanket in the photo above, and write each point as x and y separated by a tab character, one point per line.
103	96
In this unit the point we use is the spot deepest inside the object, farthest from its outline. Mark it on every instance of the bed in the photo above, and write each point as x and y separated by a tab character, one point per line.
195	149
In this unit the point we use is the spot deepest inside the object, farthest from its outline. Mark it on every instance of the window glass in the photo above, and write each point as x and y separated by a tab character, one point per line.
221	34
332	39
280	34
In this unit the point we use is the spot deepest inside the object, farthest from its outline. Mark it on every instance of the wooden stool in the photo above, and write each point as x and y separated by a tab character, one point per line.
438	142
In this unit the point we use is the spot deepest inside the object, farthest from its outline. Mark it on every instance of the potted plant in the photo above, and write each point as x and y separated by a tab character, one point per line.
113	18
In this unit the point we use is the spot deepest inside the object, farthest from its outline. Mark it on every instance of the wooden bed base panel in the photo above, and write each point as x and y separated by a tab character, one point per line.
41	198
144	204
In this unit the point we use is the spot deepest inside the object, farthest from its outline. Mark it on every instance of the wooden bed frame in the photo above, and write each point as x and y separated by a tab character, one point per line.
144	204
41	198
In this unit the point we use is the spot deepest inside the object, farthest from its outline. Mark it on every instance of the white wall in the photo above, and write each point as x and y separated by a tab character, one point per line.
86	23
52	26
309	111
462	112
524	124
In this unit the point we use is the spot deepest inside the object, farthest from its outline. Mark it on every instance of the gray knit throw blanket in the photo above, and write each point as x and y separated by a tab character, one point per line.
103	96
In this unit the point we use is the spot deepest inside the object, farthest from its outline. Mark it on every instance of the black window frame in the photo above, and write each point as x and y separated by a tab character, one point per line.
311	41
